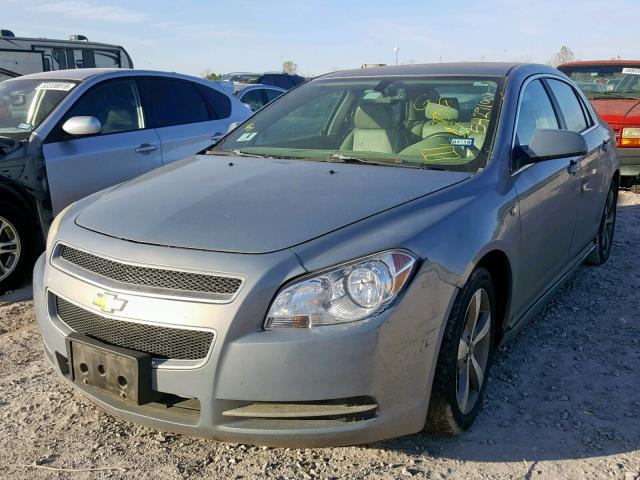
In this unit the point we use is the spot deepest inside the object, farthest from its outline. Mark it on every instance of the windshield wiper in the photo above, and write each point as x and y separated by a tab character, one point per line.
235	153
339	157
611	95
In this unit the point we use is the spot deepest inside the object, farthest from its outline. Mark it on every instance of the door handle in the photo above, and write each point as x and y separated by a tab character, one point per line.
146	148
574	166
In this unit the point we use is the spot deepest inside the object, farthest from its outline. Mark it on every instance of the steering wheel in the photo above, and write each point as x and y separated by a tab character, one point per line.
473	148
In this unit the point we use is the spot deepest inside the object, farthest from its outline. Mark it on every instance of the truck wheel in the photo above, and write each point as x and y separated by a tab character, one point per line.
604	240
16	247
465	357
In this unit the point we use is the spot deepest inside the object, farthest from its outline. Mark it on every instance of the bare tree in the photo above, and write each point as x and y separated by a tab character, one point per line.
289	67
563	56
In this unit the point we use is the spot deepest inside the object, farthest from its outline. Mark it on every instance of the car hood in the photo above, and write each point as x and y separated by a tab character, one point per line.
618	110
253	205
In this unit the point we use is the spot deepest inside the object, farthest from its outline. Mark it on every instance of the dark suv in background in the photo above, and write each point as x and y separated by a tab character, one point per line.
276	79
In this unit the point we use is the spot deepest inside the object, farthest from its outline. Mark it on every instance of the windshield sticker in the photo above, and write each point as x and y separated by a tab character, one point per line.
631	71
461	142
59	86
249	127
245	137
480	117
25	126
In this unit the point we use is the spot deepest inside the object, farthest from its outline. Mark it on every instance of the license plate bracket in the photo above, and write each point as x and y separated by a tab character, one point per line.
117	370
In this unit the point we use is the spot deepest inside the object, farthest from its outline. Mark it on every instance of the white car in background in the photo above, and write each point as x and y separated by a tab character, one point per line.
69	133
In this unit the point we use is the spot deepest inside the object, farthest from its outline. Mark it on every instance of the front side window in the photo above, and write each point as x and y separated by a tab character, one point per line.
25	104
569	104
173	102
115	104
446	123
536	113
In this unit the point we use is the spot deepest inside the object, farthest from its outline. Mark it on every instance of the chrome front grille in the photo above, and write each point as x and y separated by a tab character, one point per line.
152	277
160	342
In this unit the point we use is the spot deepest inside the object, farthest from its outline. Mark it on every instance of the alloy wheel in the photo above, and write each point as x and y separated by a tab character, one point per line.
473	351
10	248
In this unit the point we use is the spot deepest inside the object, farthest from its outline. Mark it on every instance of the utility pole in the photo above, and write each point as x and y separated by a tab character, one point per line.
395	49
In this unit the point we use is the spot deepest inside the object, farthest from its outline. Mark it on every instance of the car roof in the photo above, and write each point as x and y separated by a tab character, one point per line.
81	74
458	68
600	62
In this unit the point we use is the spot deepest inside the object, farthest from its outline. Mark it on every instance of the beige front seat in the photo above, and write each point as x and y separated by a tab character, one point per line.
374	130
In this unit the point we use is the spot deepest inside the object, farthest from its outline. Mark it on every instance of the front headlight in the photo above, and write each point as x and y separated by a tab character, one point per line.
55	225
351	292
630	137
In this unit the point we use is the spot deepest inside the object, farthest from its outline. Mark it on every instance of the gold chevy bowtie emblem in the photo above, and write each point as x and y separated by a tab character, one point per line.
109	303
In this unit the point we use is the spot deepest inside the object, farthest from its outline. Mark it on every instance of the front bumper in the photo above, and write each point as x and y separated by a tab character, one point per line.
388	360
629	162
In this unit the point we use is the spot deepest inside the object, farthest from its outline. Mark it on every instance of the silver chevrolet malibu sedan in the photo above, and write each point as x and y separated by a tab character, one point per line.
340	268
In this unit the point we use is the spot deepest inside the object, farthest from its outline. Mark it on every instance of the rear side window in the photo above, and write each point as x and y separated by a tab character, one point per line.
218	101
272	94
173	102
254	99
569	104
115	104
536	113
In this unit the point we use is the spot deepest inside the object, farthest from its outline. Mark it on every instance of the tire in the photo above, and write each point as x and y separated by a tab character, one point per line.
448	413
604	240
16	247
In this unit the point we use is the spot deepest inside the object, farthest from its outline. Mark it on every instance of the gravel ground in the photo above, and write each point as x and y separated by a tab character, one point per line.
563	402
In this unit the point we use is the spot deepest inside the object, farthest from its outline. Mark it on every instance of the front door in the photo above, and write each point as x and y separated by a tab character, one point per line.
124	148
548	197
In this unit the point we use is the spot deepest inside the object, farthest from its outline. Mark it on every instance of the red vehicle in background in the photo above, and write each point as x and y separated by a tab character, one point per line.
613	86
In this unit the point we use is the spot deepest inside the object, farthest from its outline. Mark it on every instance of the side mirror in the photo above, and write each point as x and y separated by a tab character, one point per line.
548	144
78	126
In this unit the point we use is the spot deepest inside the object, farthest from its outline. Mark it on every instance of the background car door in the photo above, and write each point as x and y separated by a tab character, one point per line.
576	118
188	117
125	147
548	194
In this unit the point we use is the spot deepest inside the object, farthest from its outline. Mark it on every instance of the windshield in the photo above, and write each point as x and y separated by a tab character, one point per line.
24	104
439	122
606	81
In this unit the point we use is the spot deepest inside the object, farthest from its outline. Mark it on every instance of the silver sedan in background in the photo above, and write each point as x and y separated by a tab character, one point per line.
341	267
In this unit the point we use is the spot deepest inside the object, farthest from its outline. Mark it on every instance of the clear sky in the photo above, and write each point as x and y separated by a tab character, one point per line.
190	36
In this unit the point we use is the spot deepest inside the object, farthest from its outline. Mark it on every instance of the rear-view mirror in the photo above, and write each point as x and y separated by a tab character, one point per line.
82	125
548	144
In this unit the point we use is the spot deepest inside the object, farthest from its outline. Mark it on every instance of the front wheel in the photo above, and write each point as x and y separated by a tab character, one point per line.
465	358
604	240
15	247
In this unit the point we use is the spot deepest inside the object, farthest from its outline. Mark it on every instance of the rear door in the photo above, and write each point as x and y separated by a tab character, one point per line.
576	117
548	199
125	148
188	116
